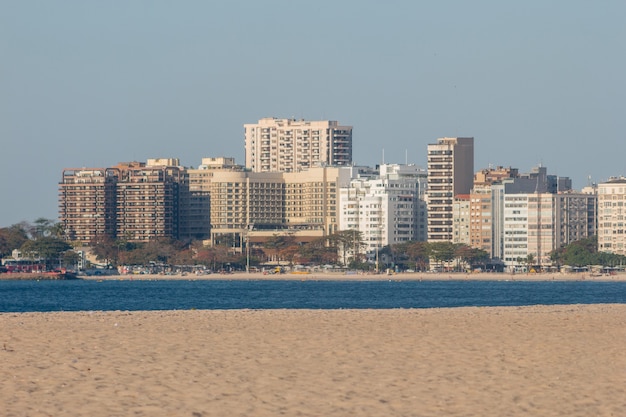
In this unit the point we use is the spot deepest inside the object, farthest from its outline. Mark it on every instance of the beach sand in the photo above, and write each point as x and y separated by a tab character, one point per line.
334	276
505	361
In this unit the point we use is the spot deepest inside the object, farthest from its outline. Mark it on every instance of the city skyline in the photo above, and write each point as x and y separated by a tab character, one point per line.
96	84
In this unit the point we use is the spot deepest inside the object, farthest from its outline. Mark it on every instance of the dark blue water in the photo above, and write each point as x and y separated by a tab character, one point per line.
78	295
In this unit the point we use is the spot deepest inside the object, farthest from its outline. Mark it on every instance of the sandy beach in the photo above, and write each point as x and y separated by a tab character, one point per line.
333	276
336	276
512	361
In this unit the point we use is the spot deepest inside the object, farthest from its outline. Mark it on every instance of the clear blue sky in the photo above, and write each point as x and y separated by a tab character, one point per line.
94	83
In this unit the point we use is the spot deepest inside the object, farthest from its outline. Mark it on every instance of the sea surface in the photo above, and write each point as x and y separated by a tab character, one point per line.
79	295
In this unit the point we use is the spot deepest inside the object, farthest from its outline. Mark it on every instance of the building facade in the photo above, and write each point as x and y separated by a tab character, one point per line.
290	145
575	217
386	208
485	203
450	172
258	205
133	201
461	219
148	201
611	216
87	203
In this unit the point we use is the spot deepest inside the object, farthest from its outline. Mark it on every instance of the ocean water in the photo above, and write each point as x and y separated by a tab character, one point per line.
78	295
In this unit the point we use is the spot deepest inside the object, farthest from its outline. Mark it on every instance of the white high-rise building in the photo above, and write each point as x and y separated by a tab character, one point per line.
461	219
387	209
290	145
529	223
611	216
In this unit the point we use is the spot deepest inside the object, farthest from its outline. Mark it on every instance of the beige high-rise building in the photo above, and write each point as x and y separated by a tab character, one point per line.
611	216
289	145
257	205
483	211
450	172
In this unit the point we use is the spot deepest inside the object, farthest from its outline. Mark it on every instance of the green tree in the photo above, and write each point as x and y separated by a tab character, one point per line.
529	261
105	249
70	259
46	248
12	237
471	256
584	252
318	251
345	241
442	252
416	252
42	227
278	244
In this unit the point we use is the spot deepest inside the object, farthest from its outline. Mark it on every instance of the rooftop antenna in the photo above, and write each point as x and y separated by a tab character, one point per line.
406	157
383	156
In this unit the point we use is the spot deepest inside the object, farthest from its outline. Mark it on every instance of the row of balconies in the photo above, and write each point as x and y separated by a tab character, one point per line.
437	175
439	159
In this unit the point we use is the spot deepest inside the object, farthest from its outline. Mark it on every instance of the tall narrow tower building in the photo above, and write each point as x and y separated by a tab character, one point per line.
450	173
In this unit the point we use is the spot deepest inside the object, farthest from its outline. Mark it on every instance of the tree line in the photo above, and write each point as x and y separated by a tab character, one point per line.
45	240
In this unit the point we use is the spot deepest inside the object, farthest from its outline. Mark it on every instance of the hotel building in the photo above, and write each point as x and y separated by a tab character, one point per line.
258	205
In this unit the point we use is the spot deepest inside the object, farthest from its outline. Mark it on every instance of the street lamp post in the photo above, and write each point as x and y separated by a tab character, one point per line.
377	258
378	242
248	229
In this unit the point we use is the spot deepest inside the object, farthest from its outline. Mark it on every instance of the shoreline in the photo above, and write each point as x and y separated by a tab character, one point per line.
341	276
330	276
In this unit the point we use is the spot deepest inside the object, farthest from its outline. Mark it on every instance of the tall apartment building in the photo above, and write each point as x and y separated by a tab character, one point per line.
536	213
484	204
387	208
87	205
576	216
450	172
147	201
611	216
461	219
529	219
133	201
290	145
529	228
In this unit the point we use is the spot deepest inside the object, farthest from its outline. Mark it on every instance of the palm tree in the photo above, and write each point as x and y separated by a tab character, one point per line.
530	261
